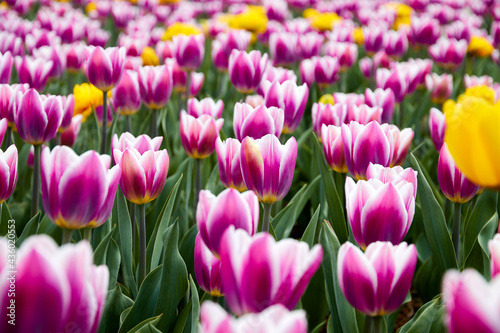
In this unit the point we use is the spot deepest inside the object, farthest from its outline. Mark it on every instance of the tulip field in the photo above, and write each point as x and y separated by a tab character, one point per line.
250	166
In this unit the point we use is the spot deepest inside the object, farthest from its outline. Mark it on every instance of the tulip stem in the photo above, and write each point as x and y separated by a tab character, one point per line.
142	243
266	217
154	123
104	137
36	181
8	137
66	236
378	324
457	207
87	234
58	139
368	324
197	183
128	123
132	221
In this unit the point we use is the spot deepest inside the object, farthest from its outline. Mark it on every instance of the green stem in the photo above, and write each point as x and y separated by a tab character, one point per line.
154	123
71	78
197	183
132	221
266	217
215	299
142	243
368	324
66	236
128	123
457	207
104	138
58	139
188	88
378	324
36	181
87	234
401	113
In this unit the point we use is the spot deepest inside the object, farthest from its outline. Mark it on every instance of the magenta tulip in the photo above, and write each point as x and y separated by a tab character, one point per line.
258	272
395	43
34	72
424	30
310	44
198	135
142	143
437	127
207	105
393	175
189	51
105	67
283	48
363	114
10	97
327	114
325	70
70	133
8	173
307	70
228	156
494	248
373	39
346	53
448	52
394	80
225	42
440	86
126	94
333	147
207	268
258	122
68	179
376	282
68	107
155	85
6	62
246	69
402	141
76	55
267	166
383	98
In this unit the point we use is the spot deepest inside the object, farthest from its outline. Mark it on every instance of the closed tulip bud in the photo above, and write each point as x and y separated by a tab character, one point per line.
453	183
246	69
470	302
437	127
205	106
366	67
473	81
72	288
10	97
70	133
275	319
346	53
327	114
393	175
395	43
37	119
402	142
76	55
6	61
155	85
258	122
215	214
225	42
325	70
219	57
448	53
424	30
142	143
99	114
105	67
459	30
394	80
366	143
228	155
440	86
197	80
68	108
8	174
207	268
333	147
198	135
68	179
189	51
289	97
494	248
310	44
376	282
126	95
34	72
373	39
283	48
307	71
143	173
364	114
258	272
384	99
279	74
263	168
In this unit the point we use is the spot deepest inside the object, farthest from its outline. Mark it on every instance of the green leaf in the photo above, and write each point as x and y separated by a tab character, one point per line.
195	307
186	248
479	257
435	228
182	318
4	219
174	279
335	206
47	227
155	244
429	318
310	232
30	229
343	315
147	325
115	304
108	253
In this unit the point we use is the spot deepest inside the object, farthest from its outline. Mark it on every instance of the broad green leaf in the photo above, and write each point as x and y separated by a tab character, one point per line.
146	325
108	253
115	304
195	308
182	318
29	230
310	232
4	219
429	318
186	248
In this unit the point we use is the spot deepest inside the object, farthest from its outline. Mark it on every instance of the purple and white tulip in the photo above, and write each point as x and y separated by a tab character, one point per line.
228	156
198	135
258	122
105	67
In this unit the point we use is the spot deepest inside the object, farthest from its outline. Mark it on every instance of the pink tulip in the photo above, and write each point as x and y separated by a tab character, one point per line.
198	135
470	302
331	137
10	97
142	143
494	248
325	70
263	168
473	81
225	42
105	67
34	72
258	272
373	39
310	44
279	74
189	51
346	53
205	106
394	80
55	54
197	80
307	70
246	69
207	268
8	161
376	282
275	319
440	86
6	61
363	114
68	107
402	142
70	133
448	53
68	179
453	183
437	127
424	30
382	98
395	43
393	175
155	85
327	114
126	95
283	48
258	122
72	288
459	30
228	156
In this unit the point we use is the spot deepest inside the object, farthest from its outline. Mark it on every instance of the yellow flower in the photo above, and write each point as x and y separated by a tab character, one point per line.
403	14
359	38
87	96
179	28
149	57
90	7
480	47
473	138
321	21
166	2
484	92
326	99
254	20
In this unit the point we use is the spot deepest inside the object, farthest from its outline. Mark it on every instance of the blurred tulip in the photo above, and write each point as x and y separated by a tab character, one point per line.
373	39
473	81
256	123
198	135
258	272
459	30
333	147
275	319
34	72
424	30
346	53
73	289
68	179
70	133
263	168
255	100
6	62
246	69
310	44
8	180
394	80
189	51
440	86
402	141
225	42
327	114
205	106
382	98
494	248
207	268
155	85
283	48
126	94
437	127
76	55
307	71
369	280
105	67
197	80
325	70
395	43
68	108
448	53
393	175
363	114
55	54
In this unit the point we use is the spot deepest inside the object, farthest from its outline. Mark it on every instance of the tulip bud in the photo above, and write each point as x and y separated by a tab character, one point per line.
440	86
393	175
5	67
228	156
198	135
325	70
207	268
189	51
105	67
126	95
394	80
402	142
395	43
448	52
34	72
363	114
383	98
70	133
437	127
494	248
142	143
310	44
8	180
155	85
256	123
205	106
246	69
424	30
333	147
283	48
373	39
307	71
346	53
327	114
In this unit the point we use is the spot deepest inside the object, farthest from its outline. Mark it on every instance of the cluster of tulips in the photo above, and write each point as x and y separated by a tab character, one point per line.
249	166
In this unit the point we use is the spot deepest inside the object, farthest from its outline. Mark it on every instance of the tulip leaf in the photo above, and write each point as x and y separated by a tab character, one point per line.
145	302
46	226
435	228
343	314
186	248
429	318
182	318
174	279
195	307
108	253
121	218
155	244
147	325
29	229
4	219
115	304
479	256
335	206
309	235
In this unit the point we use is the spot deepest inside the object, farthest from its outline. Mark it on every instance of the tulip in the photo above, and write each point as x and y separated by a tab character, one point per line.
363	114
70	133
283	48
8	161
279	74
205	106
325	70
126	95
494	248
366	143
142	143
72	288
470	302
473	81
105	67
424	30
34	72
310	44
225	42
5	67
440	86
327	114
448	52
275	319
346	53
55	54
402	142
258	272
437	127
246	69
382	98
394	80
228	156
307	70
258	122
189	51
333	147
255	100
395	43
207	269
76	54
367	67
459	30
198	135
373	39
215	214
393	175
68	108
196	84
376	282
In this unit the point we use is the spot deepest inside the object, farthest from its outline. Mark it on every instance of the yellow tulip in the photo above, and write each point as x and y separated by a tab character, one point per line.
359	38
87	96
484	92
179	28
480	47
254	20
321	21
149	57
327	99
